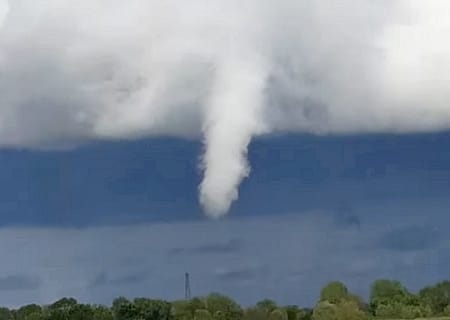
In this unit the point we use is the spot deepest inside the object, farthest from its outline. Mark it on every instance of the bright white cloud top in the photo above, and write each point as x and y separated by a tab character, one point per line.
226	71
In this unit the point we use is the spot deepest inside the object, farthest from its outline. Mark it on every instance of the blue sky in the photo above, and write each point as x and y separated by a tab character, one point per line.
110	219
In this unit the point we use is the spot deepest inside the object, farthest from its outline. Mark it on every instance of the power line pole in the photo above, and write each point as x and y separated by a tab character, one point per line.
187	287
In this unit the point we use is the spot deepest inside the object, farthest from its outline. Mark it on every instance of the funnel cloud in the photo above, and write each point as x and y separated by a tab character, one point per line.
221	71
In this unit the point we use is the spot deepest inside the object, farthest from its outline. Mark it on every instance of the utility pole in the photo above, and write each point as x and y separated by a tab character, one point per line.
187	287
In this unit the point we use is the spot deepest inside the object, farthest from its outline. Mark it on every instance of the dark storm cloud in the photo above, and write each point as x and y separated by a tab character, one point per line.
346	216
230	246
18	282
410	238
103	279
285	257
242	273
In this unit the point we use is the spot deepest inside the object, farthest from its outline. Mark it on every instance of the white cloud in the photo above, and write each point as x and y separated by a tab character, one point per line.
4	8
73	71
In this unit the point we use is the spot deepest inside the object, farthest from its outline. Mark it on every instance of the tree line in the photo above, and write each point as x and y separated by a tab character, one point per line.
388	299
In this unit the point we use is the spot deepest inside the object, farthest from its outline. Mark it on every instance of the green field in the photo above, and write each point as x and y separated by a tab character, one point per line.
432	318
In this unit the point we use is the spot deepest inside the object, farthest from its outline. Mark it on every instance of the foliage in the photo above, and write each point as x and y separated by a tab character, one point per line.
202	314
124	310
222	307
336	303
292	312
304	314
255	313
64	303
6	314
343	310
181	310
388	300
266	305
278	314
437	297
185	310
384	291
447	311
149	309
334	292
399	310
26	312
102	313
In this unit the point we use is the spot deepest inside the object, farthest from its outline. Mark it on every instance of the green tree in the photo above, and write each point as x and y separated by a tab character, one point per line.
63	303
102	313
447	311
255	313
292	312
181	310
396	309
343	310
386	290
389	299
437	297
278	314
80	312
37	316
196	304
123	309
6	314
349	310
304	314
67	310
266	305
324	310
202	314
334	292
27	311
149	309
118	303
185	309
222	307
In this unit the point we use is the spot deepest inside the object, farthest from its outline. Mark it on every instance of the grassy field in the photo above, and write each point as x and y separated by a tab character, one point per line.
438	318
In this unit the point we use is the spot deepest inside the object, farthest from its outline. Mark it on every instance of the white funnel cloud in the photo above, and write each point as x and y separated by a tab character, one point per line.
233	118
220	70
4	8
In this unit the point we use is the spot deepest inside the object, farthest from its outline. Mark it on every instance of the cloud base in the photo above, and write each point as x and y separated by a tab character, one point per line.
223	71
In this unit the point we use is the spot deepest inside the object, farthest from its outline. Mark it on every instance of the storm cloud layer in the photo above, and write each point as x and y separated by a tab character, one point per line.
222	71
98	264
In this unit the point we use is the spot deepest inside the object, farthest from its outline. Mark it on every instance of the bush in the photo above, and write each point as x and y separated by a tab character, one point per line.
447	311
402	311
304	314
334	292
202	314
255	314
278	314
344	310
